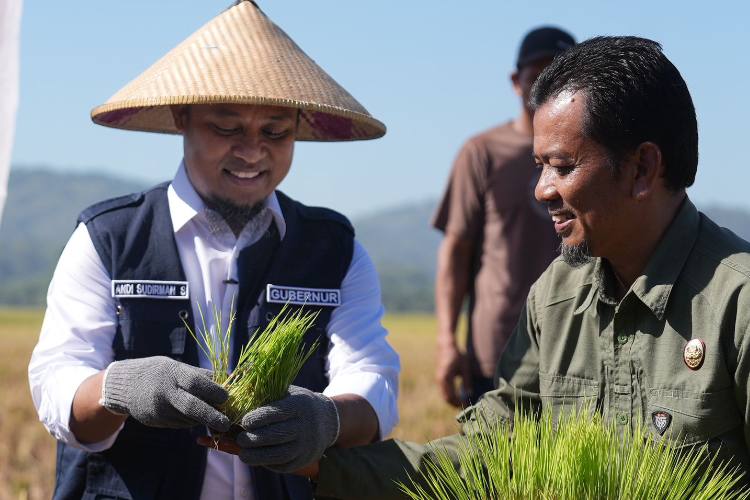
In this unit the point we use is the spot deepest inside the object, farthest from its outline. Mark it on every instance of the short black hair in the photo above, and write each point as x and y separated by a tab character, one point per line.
634	94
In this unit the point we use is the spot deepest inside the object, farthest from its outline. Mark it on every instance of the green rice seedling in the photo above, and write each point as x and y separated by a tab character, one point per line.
577	456
266	366
216	348
269	363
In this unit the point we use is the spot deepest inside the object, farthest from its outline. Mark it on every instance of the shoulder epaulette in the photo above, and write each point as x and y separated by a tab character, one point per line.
319	213
117	203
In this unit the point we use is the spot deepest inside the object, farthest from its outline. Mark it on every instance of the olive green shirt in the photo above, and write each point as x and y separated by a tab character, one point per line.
576	345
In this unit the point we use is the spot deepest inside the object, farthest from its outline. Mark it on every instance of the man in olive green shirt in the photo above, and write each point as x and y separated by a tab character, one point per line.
644	316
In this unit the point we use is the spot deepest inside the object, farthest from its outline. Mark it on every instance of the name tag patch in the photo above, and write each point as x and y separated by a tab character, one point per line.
278	294
150	289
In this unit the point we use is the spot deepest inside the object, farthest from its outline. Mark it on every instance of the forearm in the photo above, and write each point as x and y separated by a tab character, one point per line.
516	376
358	423
360	359
375	471
90	422
451	285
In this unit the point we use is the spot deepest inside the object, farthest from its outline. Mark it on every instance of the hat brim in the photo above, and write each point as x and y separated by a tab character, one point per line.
240	57
317	122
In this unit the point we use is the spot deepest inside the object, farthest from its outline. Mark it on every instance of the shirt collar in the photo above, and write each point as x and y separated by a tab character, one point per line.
185	203
654	286
595	288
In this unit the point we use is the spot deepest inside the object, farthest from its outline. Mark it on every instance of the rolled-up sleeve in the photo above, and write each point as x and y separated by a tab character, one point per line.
76	337
360	360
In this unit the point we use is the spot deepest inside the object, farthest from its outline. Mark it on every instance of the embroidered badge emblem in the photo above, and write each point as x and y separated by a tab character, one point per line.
278	294
661	421
150	289
694	354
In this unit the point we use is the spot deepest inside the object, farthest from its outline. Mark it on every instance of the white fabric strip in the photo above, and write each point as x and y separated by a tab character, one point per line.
10	30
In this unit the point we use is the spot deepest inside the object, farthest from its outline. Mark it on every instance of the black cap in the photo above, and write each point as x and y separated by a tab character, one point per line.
541	43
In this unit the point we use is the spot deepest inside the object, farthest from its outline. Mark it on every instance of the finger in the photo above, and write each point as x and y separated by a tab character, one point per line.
201	412
284	468
170	419
448	390
466	378
310	470
225	445
269	435
205	372
269	455
266	415
454	399
196	382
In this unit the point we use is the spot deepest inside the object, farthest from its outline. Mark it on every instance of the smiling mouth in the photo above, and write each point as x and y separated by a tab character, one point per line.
244	175
562	221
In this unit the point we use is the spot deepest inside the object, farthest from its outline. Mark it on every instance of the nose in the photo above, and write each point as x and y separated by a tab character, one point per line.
545	190
249	148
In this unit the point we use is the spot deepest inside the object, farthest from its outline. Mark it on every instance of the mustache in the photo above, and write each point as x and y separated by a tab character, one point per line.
238	164
559	210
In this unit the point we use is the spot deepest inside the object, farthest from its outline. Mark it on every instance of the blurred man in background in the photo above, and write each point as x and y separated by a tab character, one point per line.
498	239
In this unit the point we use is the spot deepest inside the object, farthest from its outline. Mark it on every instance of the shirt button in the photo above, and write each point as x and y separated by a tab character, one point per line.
622	419
622	339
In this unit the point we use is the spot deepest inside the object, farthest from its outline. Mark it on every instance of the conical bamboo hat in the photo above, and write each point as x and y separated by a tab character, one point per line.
240	57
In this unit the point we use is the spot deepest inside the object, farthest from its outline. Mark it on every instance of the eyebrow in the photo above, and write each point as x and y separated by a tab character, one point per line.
555	153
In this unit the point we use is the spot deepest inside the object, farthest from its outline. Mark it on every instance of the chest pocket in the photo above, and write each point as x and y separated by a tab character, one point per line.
566	394
695	417
151	327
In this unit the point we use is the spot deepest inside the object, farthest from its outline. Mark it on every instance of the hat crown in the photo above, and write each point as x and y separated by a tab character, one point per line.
240	57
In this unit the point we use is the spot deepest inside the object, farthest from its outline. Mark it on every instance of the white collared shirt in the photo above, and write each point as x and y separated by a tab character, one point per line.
80	321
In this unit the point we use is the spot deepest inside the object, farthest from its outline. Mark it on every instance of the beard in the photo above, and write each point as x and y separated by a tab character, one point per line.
576	255
236	216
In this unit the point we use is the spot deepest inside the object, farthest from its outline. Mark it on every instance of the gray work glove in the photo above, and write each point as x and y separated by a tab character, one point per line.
161	392
289	433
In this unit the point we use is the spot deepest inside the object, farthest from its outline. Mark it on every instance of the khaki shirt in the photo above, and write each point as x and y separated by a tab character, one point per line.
576	345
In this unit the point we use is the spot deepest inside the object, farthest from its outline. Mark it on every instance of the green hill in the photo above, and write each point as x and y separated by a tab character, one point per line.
40	214
403	246
43	204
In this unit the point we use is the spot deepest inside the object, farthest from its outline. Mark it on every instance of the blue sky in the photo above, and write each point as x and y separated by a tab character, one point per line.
436	72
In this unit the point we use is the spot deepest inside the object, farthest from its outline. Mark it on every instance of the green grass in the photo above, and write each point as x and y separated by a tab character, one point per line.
581	457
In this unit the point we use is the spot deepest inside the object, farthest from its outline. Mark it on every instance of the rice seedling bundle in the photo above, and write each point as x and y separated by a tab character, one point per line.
267	364
581	457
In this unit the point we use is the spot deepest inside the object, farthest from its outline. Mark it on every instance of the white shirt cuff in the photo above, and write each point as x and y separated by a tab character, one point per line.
67	381
376	389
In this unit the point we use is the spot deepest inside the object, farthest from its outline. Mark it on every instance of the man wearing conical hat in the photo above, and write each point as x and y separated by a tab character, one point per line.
116	377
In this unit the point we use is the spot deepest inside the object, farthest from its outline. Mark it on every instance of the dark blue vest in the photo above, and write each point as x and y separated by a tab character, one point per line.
134	238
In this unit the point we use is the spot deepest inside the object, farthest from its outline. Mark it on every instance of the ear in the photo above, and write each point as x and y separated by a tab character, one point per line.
514	78
179	115
648	172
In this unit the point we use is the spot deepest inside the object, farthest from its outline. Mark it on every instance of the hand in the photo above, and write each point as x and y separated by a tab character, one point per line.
291	433
452	364
161	392
310	471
